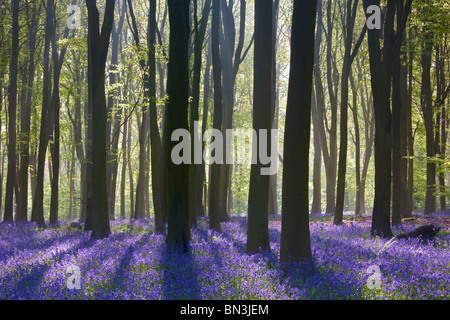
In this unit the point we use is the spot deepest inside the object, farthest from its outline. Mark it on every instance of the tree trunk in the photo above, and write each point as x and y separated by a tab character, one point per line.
26	116
332	83
273	195
398	129
295	243
318	109
155	139
357	147
214	188
124	170
130	172
349	55
195	177
54	199
380	68
317	163
427	110
71	181
258	206
139	211
98	44
37	213
12	109
177	200
113	123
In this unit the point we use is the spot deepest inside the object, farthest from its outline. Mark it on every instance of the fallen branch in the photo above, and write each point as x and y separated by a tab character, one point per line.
425	233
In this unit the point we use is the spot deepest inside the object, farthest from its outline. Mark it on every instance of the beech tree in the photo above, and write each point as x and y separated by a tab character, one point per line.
12	107
177	201
295	243
98	43
258	205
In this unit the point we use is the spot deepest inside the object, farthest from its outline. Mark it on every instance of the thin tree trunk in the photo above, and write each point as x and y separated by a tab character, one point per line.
37	213
195	178
26	116
357	147
12	106
155	139
214	188
130	172
349	56
317	163
427	110
124	170
331	162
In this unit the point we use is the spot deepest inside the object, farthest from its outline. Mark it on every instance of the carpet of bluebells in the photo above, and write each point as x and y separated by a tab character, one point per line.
135	263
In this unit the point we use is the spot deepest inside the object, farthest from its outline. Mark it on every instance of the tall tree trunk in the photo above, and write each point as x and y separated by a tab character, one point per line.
206	95
273	195
427	110
380	70
258	206
12	109
214	189
357	141
71	181
332	82
318	110
410	138
26	115
317	163
155	139
295	243
98	43
177	200
195	177
54	199
349	56
139	211
231	59
130	172
37	213
441	122
124	170
398	130
113	123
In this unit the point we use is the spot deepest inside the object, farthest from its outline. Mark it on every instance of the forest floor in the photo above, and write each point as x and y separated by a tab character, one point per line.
135	263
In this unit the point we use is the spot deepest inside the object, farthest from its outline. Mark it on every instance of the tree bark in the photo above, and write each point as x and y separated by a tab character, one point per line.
258	206
398	130
155	139
98	43
332	83
349	56
37	213
12	109
427	110
195	177
26	114
295	243
214	189
177	200
380	70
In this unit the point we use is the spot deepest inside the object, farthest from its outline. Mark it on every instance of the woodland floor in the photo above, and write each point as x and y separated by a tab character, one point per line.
135	263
